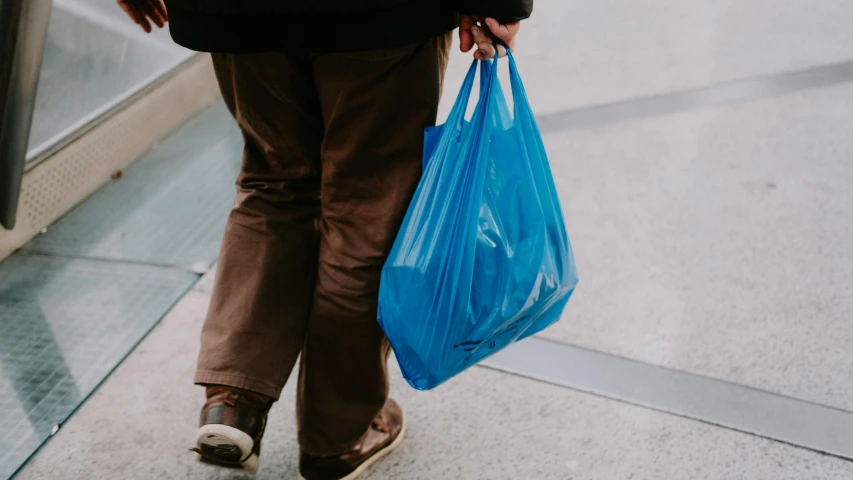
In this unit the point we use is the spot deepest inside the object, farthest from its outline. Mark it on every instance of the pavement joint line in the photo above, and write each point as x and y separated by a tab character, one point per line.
721	94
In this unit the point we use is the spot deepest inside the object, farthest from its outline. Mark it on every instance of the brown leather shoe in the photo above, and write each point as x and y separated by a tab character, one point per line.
232	424
384	435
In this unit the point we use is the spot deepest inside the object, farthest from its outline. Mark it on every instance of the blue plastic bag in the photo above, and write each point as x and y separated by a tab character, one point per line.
482	259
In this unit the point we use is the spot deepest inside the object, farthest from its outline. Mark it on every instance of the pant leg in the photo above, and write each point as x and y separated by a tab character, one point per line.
375	107
262	297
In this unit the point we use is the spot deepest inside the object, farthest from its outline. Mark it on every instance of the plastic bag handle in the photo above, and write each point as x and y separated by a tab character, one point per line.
521	106
457	113
484	65
488	72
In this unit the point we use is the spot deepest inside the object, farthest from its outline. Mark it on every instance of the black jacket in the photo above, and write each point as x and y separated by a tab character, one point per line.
243	26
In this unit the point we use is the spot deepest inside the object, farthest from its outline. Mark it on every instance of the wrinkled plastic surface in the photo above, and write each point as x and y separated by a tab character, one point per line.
482	259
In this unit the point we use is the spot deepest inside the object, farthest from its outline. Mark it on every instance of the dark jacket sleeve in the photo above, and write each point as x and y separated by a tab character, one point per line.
503	11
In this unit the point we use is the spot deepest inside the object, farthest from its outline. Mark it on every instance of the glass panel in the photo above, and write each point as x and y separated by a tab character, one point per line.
94	58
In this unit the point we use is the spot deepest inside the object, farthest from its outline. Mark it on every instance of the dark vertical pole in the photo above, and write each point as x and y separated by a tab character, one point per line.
23	27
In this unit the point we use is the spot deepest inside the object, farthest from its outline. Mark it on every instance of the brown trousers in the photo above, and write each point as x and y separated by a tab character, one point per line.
332	157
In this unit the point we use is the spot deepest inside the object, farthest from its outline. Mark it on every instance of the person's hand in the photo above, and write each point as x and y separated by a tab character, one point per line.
476	31
144	12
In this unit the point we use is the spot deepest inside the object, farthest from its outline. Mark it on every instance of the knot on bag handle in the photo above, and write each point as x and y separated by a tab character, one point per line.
496	42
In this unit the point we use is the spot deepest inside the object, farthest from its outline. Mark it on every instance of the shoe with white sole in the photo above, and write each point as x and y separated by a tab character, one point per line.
231	427
384	435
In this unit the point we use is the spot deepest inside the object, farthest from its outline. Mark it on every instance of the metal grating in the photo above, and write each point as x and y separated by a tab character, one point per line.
66	324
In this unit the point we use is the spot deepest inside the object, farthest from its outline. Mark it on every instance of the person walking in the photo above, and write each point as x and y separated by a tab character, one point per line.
332	98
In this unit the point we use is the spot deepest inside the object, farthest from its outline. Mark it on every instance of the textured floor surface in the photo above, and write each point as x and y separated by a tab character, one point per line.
714	240
482	425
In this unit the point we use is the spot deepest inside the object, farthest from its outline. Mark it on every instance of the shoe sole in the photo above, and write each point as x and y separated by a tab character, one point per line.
375	458
227	446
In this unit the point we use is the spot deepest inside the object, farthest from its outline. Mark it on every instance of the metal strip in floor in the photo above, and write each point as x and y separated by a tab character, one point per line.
737	407
713	96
